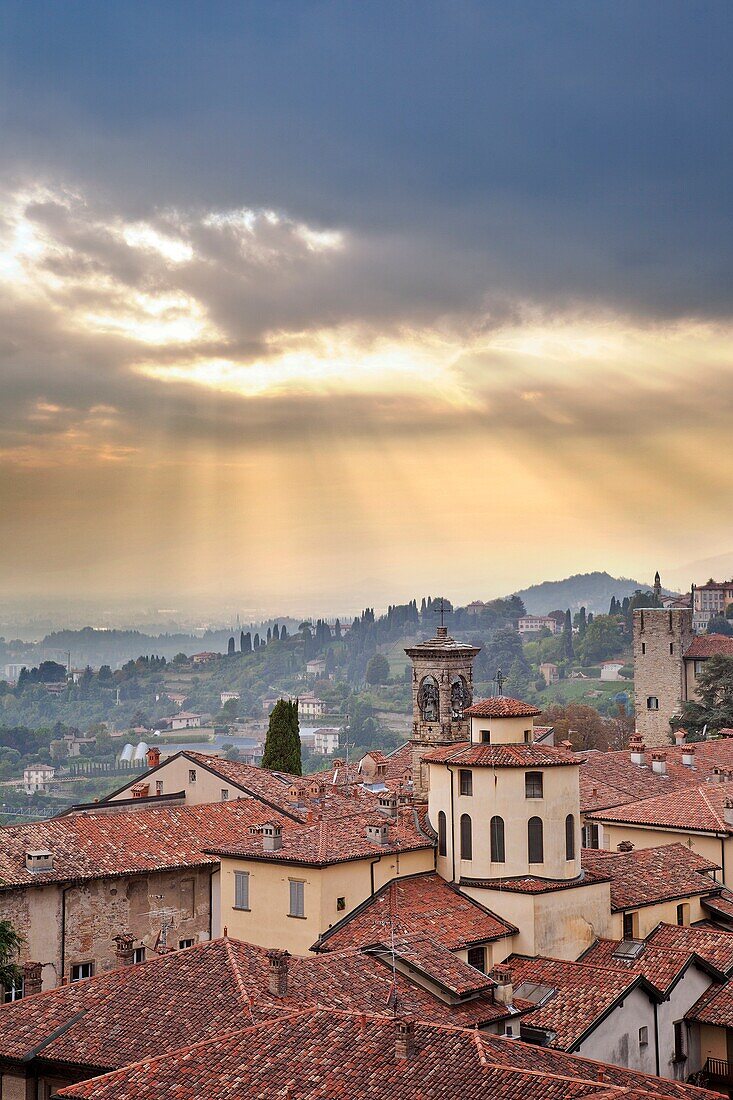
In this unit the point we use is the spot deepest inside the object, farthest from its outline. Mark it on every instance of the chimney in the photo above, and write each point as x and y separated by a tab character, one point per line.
688	756
32	978
637	748
728	812
277	974
503	987
153	757
272	837
404	1037
388	805
378	834
625	846
37	860
679	737
125	952
659	763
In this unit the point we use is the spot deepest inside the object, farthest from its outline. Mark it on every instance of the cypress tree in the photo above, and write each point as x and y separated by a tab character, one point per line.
241	641
282	745
568	636
283	633
269	635
230	648
247	643
276	633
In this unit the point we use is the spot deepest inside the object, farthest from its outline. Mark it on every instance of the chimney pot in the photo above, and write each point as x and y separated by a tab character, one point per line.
728	812
659	763
272	837
153	757
125	950
503	987
277	976
404	1036
688	756
637	748
679	736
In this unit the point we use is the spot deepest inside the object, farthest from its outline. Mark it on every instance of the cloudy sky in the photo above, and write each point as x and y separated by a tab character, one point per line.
316	304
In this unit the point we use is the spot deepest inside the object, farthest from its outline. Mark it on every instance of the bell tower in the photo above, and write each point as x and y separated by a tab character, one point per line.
442	689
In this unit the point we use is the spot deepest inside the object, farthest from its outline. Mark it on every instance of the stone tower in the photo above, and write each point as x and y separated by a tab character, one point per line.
661	637
657	587
442	688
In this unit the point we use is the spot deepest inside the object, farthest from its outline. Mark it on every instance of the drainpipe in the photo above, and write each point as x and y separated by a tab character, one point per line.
656	1038
371	871
452	823
722	857
64	892
211	905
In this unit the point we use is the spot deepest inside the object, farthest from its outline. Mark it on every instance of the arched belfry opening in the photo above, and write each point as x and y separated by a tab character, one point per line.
442	689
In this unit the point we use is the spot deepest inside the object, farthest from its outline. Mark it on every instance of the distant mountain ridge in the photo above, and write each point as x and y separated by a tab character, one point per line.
590	590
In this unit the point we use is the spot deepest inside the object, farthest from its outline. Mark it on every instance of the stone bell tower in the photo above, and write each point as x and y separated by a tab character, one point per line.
442	688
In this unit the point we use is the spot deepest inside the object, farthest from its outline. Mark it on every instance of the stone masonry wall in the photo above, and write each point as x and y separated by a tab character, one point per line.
660	639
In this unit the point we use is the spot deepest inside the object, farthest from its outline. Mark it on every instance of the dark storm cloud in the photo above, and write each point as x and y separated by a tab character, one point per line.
557	151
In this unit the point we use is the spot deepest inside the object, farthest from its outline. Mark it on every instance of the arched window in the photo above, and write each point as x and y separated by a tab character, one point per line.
442	849
570	837
496	833
466	837
535	846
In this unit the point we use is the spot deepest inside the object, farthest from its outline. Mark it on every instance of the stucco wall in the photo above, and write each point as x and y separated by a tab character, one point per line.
688	990
616	1039
173	774
268	923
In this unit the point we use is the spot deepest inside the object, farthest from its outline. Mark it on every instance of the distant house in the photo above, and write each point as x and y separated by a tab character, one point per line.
310	707
315	668
611	670
37	778
475	608
205	658
532	624
185	720
326	741
227	696
549	672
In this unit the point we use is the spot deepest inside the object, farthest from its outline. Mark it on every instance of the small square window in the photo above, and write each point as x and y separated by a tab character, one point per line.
340	904
186	943
82	970
191	775
486	737
138	955
13	992
643	1036
158	786
652	702
224	794
465	779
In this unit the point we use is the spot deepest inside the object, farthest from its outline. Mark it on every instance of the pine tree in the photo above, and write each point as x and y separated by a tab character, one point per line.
230	647
282	745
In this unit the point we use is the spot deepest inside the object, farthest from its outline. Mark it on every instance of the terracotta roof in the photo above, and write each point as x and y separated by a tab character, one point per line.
709	645
501	706
721	905
336	833
659	963
579	994
699	808
320	1053
431	959
501	756
714	1007
612	779
647	876
93	845
124	1014
423	903
712	944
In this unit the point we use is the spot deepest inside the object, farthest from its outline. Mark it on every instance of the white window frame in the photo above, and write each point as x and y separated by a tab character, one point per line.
80	971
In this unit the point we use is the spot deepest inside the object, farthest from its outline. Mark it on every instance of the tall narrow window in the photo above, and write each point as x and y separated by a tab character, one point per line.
442	846
241	889
570	837
652	702
477	958
628	926
496	834
535	845
297	898
466	837
466	781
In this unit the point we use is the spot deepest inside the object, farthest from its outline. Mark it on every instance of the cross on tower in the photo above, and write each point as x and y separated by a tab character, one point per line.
500	678
442	610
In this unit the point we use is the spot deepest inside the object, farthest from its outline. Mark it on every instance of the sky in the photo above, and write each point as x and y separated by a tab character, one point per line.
316	305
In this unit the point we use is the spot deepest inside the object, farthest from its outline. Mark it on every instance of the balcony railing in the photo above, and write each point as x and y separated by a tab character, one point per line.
719	1069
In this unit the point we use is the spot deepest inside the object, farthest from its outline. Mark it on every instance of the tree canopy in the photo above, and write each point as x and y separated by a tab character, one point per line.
714	706
282	745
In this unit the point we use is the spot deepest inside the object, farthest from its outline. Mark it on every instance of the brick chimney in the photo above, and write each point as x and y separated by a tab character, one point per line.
637	748
388	804
659	763
125	951
688	756
153	757
625	846
404	1037
32	978
277	974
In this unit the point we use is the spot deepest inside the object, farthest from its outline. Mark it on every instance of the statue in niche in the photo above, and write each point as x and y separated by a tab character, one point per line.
460	698
427	700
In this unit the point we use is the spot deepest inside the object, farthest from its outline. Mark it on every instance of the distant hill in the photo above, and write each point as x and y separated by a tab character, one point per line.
590	590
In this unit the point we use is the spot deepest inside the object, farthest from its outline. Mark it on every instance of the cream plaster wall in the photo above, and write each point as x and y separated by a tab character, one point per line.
174	776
